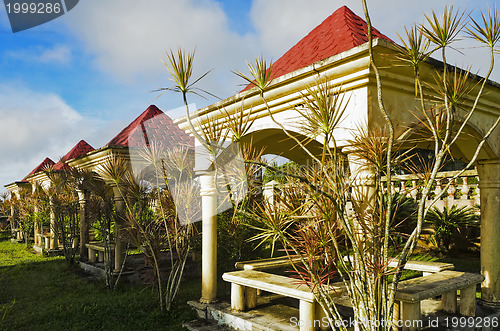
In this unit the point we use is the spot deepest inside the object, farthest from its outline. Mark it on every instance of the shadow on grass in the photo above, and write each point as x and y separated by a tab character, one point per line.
47	295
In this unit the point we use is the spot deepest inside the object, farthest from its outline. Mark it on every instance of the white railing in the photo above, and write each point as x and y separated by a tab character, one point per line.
464	191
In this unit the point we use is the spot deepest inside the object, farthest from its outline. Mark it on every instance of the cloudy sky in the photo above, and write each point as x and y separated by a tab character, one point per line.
87	74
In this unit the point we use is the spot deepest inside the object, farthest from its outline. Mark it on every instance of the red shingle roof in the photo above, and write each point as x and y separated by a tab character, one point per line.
152	125
42	166
339	32
81	148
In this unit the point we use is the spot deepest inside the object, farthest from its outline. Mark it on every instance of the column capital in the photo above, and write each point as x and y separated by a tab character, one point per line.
489	174
207	181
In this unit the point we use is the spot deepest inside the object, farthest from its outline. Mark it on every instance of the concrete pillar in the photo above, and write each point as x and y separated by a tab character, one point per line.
119	245
363	197
84	227
237	297
363	186
306	315
209	237
54	241
489	183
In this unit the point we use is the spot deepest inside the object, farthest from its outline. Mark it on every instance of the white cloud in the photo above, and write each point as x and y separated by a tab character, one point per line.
58	54
130	38
34	126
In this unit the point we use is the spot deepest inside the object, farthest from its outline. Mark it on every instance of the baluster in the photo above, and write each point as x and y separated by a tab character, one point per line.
464	189
452	190
392	187
402	188
438	190
477	188
414	189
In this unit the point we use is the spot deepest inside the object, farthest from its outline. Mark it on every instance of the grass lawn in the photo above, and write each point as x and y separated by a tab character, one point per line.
41	293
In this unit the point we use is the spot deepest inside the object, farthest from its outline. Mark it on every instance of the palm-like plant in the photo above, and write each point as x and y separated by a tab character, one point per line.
449	227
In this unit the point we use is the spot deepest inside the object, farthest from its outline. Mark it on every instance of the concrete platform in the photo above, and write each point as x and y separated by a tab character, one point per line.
277	313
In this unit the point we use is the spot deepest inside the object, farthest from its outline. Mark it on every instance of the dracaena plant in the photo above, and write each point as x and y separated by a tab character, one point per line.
365	230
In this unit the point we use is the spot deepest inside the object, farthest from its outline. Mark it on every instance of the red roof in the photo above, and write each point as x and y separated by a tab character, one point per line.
42	166
339	32
81	148
152	125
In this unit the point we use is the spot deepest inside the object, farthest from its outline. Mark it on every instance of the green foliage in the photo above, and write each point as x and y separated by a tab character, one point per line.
453	229
78	303
281	174
233	233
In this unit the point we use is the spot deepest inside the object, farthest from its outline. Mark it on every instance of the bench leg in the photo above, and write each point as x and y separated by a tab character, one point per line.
321	316
306	315
449	302
250	297
91	255
396	315
237	297
468	301
411	316
100	256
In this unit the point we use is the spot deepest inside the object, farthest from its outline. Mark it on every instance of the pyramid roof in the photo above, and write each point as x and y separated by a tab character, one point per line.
339	32
42	166
152	125
81	148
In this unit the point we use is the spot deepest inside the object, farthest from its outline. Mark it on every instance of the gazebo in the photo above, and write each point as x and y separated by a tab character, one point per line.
338	51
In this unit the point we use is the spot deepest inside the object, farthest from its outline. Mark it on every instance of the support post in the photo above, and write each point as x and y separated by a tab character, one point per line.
54	242
250	298
209	237
489	183
411	316
237	297
449	302
119	244
468	301
306	316
84	228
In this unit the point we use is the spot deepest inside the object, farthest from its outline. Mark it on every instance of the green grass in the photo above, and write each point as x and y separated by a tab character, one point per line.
42	293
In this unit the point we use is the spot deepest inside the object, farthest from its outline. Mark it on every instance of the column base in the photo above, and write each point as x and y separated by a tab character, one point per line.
489	304
208	301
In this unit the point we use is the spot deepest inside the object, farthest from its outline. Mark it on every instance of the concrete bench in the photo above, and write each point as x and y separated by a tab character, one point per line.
244	285
97	248
446	283
427	267
265	264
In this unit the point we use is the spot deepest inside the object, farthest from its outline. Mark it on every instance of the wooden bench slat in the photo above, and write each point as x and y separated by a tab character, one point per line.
420	288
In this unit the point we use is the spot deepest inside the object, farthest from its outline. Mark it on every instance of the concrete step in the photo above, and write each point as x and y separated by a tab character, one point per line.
205	325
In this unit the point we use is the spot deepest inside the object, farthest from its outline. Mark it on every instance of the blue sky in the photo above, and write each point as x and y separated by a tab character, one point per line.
87	74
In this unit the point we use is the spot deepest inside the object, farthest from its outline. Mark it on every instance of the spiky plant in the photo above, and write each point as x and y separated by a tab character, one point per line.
449	227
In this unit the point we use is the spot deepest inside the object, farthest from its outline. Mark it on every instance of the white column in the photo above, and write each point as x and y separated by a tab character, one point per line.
119	223
54	241
489	183
84	228
209	237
